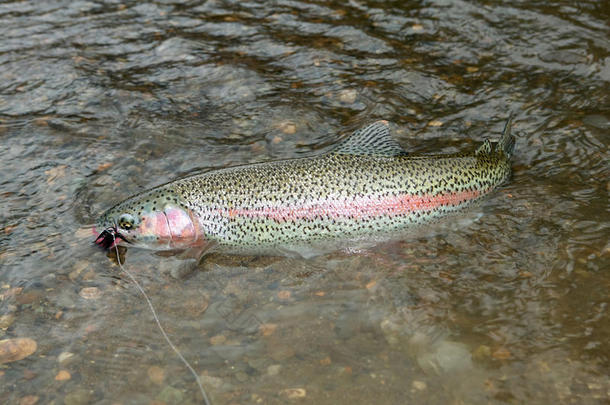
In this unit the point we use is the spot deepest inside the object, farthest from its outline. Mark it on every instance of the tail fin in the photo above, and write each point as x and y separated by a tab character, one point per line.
506	143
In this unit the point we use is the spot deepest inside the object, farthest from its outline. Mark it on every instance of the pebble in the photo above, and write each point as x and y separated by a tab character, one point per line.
267	329
210	381
391	331
42	121
446	357
419	385
74	274
347	370
284	295
8	229
273	369
11	292
84	232
6	321
197	306
28	297
78	397
420	341
16	349
156	374
287	127
348	96
257	363
104	166
55	173
90	293
281	352
241	376
64	357
49	280
293	393
78	268
171	395
62	375
66	301
481	353
28	400
435	123
218	340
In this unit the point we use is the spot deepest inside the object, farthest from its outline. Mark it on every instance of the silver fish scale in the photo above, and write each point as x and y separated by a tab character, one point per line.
329	179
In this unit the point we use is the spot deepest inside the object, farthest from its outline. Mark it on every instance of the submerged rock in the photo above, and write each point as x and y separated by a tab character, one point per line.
6	321
273	369
64	357
29	400
445	357
293	393
78	397
211	381
171	395
156	374
16	349
90	293
63	375
419	385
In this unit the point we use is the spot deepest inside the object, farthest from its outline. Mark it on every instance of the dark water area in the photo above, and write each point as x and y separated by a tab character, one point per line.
102	99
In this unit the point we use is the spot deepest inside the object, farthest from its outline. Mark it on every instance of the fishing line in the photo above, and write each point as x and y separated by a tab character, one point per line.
152	309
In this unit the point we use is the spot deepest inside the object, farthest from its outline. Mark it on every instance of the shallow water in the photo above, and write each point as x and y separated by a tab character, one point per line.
99	100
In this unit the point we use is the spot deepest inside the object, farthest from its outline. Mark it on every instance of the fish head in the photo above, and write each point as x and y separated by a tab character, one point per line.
157	220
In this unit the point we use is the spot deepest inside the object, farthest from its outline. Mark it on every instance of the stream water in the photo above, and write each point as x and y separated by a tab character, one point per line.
102	99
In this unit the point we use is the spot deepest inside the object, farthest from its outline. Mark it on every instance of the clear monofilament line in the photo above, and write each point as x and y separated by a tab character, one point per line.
167	339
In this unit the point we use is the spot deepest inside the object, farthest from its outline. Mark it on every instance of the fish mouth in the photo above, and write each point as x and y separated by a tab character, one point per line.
109	238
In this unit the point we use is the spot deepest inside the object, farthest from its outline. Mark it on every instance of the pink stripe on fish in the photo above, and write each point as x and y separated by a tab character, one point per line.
360	207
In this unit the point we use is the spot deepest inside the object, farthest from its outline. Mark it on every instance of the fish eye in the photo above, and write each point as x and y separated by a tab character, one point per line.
126	221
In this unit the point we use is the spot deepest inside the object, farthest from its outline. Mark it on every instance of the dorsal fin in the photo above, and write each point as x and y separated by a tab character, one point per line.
485	148
374	139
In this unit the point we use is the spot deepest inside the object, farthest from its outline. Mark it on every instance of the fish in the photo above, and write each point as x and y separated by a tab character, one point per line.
365	188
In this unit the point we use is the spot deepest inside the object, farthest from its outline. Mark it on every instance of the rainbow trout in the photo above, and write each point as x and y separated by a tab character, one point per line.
365	187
